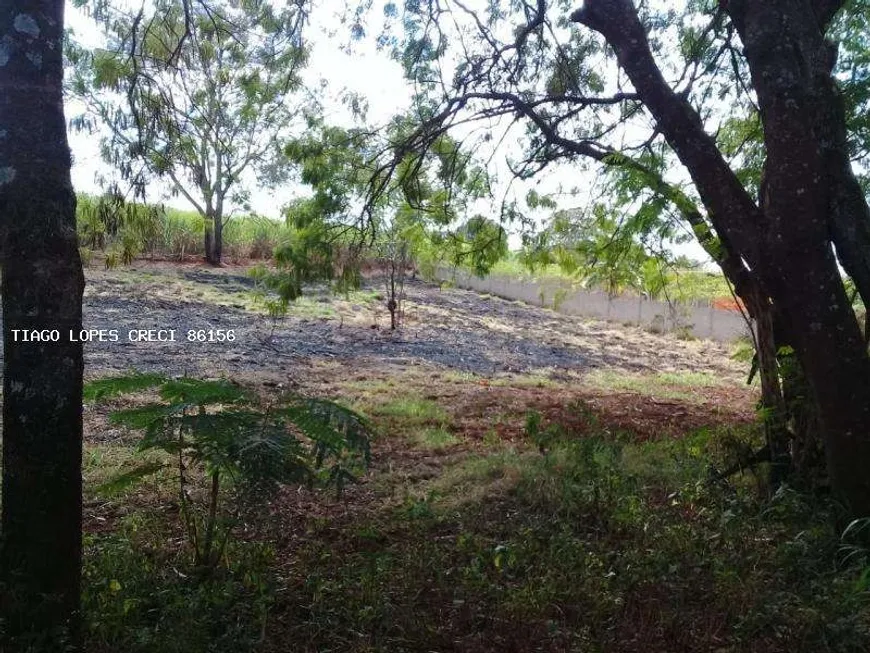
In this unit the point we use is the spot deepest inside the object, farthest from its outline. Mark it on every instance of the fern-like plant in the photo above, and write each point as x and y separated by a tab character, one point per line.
219	438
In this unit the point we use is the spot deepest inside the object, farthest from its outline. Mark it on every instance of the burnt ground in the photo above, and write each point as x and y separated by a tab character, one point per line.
487	360
445	328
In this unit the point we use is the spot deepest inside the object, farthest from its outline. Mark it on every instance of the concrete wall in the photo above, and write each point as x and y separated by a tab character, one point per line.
699	319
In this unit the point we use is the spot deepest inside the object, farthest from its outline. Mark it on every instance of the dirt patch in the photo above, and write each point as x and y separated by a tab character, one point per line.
502	411
649	418
494	408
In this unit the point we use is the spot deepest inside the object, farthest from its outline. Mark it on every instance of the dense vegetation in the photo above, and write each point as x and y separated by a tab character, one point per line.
300	504
599	541
121	232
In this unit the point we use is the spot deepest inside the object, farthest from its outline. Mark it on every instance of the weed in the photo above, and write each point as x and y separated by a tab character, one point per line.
137	597
415	410
434	438
542	436
666	385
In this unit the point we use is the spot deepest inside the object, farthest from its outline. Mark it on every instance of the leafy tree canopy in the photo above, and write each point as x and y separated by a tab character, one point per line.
201	95
560	93
367	194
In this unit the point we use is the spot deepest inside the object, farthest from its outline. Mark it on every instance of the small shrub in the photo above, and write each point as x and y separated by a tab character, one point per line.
262	246
129	247
542	436
218	439
435	438
135	597
113	259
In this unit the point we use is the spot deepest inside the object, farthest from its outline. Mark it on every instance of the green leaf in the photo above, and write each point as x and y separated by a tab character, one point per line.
104	388
123	481
331	427
142	417
194	392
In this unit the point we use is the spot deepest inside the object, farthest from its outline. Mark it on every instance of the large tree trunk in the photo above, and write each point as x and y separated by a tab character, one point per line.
786	241
213	238
42	289
804	135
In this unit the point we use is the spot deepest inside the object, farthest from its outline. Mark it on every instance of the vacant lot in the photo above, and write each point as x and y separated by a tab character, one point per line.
453	343
446	327
466	533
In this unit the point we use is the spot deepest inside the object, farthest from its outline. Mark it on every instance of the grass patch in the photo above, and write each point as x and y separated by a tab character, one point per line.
478	477
434	439
412	411
311	307
139	594
666	385
691	379
525	381
102	461
595	546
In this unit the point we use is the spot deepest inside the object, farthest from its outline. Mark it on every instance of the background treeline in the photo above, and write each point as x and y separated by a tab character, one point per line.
123	231
113	232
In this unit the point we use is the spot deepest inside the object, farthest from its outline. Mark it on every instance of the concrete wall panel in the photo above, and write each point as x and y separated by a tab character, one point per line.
697	319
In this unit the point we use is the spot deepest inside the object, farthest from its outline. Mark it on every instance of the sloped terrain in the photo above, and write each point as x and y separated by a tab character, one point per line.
445	327
537	483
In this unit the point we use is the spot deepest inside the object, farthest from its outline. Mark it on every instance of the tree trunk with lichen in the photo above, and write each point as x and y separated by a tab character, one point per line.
42	285
808	203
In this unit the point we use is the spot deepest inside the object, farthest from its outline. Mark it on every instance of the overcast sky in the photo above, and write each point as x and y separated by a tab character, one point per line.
368	71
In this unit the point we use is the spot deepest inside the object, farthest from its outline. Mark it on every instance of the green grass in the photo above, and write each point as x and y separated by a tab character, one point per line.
666	385
413	410
370	388
100	462
462	377
540	378
597	545
692	379
312	308
137	598
530	380
434	439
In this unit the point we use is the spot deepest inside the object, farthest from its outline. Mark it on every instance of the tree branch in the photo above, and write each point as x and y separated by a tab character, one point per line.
734	214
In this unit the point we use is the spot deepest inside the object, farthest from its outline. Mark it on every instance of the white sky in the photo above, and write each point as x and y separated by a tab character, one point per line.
368	72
